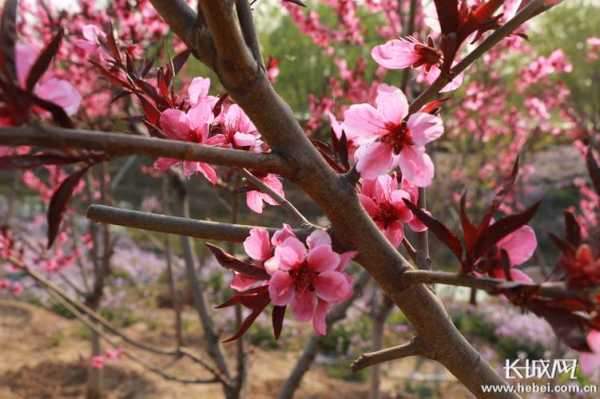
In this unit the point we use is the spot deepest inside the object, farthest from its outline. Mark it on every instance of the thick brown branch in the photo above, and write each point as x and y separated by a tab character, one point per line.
549	290
412	348
121	144
175	225
532	9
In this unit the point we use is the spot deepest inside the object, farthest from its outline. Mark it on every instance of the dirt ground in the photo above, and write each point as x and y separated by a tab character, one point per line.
44	356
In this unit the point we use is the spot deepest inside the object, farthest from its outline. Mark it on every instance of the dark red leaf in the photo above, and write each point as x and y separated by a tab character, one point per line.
564	246
179	61
59	201
42	63
277	318
247	322
150	111
572	228
438	229
219	105
111	42
434	106
232	263
296	2
469	230
501	229
58	113
8	38
33	161
593	170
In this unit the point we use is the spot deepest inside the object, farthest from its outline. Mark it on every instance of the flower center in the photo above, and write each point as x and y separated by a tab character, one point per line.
387	215
398	136
303	278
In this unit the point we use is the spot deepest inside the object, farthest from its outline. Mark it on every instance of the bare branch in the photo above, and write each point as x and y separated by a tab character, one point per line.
182	20
412	348
287	205
96	318
532	9
175	225
550	290
120	144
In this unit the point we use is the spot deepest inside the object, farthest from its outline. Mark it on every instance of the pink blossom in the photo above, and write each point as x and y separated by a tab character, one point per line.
387	140
97	362
406	53
255	199
92	37
238	130
520	247
192	126
590	361
16	288
309	280
384	202
113	354
50	88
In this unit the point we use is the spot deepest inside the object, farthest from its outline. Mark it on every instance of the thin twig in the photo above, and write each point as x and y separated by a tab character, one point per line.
287	205
412	348
555	290
175	224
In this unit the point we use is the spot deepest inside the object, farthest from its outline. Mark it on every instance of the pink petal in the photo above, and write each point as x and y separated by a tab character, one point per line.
91	32
593	340
373	160
60	92
332	286
335	125
175	124
515	274
322	259
395	233
391	104
318	237
369	205
520	245
258	245
282	234
424	128
254	200
242	283
397	199
198	90
244	140
208	172
281	288
319	318
345	259
291	252
416	225
416	166
200	117
395	54
363	122
590	362
303	305
163	164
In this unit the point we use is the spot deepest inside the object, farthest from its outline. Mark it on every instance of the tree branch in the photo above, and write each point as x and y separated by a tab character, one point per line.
532	9
175	225
549	290
412	348
121	144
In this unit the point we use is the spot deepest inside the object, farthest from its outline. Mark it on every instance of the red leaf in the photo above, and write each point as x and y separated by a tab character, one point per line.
59	201
501	229
58	113
247	322
438	229
150	111
232	263
111	42
277	317
179	61
42	63
469	230
8	38
33	161
573	230
434	106
593	170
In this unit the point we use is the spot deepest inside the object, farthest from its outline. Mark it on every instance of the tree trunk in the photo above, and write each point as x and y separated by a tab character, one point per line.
95	375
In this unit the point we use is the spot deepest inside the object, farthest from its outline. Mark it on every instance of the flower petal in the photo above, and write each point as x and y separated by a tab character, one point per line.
318	237
391	103
424	128
281	288
175	124
373	160
416	166
319	318
322	259
362	122
303	305
258	245
332	286
520	245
